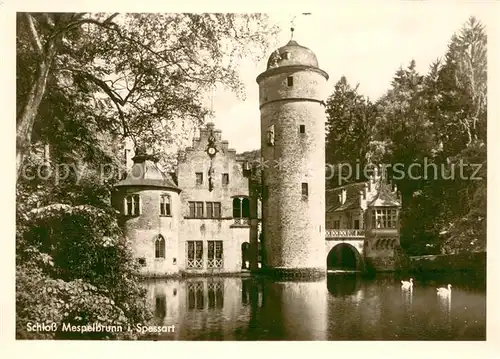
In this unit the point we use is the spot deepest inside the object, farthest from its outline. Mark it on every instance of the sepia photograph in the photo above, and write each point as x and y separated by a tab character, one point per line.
252	176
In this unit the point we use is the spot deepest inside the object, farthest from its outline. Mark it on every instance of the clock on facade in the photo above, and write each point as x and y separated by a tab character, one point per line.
211	151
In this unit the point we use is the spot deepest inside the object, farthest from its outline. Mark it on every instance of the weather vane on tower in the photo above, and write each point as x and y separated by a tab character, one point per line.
292	24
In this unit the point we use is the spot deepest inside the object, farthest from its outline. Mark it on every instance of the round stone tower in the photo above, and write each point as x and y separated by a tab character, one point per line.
291	93
149	202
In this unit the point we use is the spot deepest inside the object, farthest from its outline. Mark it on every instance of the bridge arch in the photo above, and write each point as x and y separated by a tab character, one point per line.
346	257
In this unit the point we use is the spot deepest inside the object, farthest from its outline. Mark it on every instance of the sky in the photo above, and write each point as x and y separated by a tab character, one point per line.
365	46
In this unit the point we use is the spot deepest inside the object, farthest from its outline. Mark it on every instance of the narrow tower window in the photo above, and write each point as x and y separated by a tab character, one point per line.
270	135
225	178
302	128
165	205
290	80
305	190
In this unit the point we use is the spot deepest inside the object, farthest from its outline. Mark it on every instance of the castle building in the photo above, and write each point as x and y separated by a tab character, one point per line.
291	94
362	221
209	219
198	224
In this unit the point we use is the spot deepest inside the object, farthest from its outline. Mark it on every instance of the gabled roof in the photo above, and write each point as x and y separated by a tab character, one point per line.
352	197
384	197
380	196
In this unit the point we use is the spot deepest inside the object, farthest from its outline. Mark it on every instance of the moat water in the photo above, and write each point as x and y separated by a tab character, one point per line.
340	307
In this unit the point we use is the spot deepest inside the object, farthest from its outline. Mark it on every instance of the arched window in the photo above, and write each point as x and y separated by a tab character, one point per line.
165	205
160	247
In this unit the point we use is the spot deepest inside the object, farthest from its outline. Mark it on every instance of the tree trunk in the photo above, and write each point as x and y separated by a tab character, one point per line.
27	116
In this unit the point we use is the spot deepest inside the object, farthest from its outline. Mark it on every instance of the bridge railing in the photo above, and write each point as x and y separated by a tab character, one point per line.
335	233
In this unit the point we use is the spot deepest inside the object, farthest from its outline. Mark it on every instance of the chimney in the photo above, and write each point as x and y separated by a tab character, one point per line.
362	197
344	195
365	190
225	145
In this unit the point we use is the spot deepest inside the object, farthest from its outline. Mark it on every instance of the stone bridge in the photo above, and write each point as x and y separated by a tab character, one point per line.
345	249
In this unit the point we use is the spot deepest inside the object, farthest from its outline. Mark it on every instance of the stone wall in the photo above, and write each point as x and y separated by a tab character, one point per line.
224	229
293	226
206	230
143	229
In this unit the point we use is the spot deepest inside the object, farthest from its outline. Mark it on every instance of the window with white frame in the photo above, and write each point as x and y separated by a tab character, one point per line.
165	205
194	254
241	210
384	218
215	254
132	205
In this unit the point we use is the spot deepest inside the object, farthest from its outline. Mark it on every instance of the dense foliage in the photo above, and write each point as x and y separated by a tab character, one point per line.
85	83
438	121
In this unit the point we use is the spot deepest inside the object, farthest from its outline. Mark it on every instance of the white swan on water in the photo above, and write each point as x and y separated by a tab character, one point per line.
444	291
407	284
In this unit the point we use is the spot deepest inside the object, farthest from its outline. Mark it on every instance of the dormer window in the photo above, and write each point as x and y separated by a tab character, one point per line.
290	81
286	56
165	205
132	205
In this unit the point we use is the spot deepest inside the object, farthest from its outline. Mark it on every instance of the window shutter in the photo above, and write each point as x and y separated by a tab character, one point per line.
125	205
140	204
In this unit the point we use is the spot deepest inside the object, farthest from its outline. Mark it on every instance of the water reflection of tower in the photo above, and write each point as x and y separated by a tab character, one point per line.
294	310
445	306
